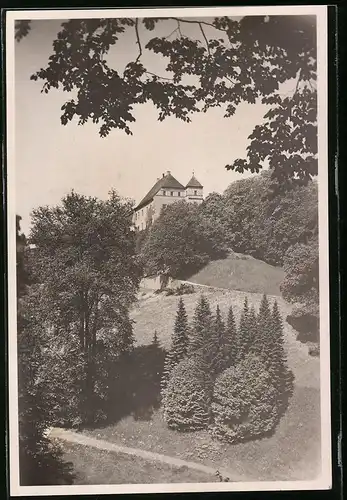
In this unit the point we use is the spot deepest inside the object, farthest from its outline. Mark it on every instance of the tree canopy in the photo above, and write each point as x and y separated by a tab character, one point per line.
86	275
224	62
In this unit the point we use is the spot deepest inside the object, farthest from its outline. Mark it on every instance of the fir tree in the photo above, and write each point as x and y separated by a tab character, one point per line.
180	336
230	339
252	328
282	376
168	365
244	402
202	324
264	328
179	344
218	344
243	334
185	402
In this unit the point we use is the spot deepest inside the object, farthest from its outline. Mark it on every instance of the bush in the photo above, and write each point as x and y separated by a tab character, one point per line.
244	402
185	405
314	350
179	242
306	322
185	289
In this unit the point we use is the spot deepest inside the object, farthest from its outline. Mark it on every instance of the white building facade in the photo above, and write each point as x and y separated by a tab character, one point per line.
166	190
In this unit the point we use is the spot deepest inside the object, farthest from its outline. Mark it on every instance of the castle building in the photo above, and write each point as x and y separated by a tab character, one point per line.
166	190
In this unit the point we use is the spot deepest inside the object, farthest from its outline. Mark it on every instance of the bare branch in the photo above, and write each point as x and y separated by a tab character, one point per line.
179	28
158	76
206	41
297	82
295	91
189	21
172	32
138	39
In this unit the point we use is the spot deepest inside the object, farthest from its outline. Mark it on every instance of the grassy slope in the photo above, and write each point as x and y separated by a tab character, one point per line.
241	272
292	453
92	466
157	312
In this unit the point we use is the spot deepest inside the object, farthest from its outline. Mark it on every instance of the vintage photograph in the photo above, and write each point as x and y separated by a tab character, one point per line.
168	250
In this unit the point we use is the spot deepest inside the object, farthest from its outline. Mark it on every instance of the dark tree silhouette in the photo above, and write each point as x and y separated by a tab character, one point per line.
230	338
87	274
179	343
244	339
231	61
40	460
202	325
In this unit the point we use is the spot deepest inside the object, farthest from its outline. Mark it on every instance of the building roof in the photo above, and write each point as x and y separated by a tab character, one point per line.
168	181
194	183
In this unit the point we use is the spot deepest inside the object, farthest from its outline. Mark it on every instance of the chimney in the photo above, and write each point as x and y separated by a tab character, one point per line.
168	172
163	175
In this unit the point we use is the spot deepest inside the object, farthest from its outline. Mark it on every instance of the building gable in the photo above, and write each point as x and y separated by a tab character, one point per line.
168	181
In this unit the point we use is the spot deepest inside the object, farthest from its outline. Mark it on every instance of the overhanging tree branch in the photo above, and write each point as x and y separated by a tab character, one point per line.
190	21
205	38
138	39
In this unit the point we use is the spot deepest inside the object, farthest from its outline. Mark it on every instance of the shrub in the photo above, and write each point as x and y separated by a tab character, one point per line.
313	350
184	402
185	289
244	402
305	320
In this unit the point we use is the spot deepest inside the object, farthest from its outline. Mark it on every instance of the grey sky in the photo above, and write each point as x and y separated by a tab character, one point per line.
52	159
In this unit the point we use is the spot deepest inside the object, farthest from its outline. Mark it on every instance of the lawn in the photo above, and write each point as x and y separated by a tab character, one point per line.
292	453
93	466
241	272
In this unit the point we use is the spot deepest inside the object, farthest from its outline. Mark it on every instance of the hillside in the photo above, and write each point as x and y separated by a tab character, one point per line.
157	312
292	453
241	272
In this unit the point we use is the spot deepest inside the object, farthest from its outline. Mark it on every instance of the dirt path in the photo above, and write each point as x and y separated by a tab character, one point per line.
74	437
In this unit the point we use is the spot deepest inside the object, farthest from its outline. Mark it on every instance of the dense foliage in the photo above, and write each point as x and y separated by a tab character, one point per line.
281	229
244	402
179	343
240	372
40	459
177	243
86	275
301	286
223	62
264	225
185	405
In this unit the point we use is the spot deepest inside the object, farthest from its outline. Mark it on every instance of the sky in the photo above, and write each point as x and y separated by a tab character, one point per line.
52	159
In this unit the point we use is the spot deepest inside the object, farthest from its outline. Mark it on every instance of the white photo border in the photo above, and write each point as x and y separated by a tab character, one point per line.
324	482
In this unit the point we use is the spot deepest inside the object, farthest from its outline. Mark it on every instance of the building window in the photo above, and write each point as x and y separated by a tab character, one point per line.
195	193
164	193
171	193
179	193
